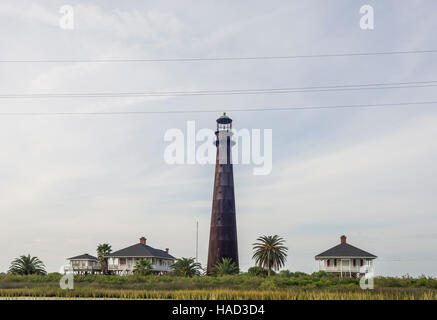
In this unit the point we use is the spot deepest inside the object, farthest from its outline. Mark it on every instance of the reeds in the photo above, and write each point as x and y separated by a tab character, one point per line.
296	294
290	287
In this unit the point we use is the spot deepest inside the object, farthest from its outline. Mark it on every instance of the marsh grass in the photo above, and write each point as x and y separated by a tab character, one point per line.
294	294
243	286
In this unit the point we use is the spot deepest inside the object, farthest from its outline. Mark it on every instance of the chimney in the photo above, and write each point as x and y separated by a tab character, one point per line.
343	239
166	250
143	240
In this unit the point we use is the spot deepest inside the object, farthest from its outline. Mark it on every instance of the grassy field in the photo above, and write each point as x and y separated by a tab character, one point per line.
206	294
291	287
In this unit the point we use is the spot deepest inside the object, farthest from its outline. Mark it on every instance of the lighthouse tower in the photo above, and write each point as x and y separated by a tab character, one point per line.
223	232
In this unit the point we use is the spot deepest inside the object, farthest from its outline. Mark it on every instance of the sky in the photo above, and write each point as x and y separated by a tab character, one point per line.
70	182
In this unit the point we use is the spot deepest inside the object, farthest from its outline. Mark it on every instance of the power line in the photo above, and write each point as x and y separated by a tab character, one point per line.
285	57
381	105
357	87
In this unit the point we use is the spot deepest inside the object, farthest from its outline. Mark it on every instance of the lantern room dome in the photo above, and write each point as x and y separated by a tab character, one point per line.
224	119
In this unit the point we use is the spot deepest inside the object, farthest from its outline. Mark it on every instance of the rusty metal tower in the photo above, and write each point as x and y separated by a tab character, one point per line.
223	232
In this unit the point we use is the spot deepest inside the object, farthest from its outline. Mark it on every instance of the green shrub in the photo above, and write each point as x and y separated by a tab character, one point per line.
298	274
285	273
259	272
321	274
255	279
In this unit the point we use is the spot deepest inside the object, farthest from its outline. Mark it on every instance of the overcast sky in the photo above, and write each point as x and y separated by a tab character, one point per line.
68	183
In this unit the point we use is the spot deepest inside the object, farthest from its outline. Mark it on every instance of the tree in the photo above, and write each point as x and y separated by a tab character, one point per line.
226	266
285	273
143	267
103	250
186	267
270	253
27	265
319	274
257	271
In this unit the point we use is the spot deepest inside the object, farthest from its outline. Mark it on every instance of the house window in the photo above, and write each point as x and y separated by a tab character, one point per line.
122	260
361	262
331	262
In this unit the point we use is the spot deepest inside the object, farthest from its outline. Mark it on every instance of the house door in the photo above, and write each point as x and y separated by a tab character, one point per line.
345	267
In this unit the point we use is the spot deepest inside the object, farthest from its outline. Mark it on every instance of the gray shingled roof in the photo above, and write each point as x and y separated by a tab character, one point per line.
141	250
84	256
345	250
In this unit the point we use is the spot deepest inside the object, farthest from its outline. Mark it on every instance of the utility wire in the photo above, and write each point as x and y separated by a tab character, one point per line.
285	57
358	87
380	105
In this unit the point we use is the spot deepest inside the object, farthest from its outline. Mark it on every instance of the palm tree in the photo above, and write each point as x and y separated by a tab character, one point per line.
226	266
102	251
143	267
186	267
270	252
27	265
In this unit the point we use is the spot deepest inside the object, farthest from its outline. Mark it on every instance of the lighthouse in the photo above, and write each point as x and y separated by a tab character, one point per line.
223	231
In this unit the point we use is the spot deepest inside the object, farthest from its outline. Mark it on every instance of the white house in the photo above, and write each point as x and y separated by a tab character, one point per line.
345	260
83	264
123	261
